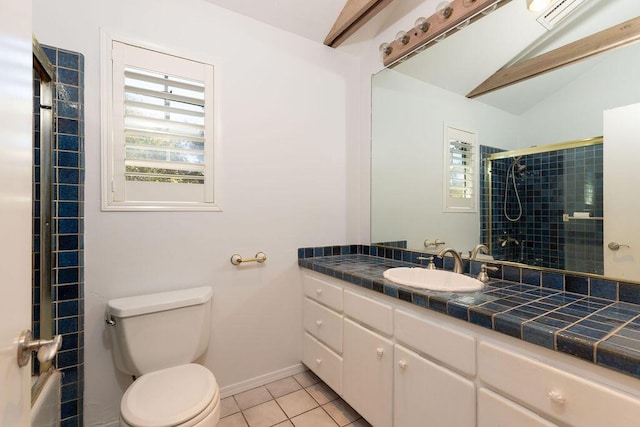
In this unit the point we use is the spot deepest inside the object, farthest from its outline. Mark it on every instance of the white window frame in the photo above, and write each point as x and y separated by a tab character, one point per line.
111	157
454	204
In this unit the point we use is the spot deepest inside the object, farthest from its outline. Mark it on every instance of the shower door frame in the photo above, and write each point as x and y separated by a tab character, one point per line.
46	72
523	152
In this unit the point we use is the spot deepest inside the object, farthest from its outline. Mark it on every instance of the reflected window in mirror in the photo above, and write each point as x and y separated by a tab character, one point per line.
460	170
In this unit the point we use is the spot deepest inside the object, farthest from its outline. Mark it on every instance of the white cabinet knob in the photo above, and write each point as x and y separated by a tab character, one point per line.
318	291
403	364
318	361
379	351
318	323
556	397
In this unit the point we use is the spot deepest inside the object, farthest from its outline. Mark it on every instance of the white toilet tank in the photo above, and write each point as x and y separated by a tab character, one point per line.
157	331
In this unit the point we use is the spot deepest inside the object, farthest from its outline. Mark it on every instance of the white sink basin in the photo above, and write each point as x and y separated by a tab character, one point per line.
433	280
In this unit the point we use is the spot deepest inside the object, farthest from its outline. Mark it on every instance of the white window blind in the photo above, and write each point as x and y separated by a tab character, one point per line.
460	172
161	142
163	128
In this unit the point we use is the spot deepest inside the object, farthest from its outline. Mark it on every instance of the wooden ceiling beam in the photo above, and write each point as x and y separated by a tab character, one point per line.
354	15
603	41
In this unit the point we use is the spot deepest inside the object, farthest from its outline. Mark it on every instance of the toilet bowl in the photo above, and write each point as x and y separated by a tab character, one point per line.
156	338
184	396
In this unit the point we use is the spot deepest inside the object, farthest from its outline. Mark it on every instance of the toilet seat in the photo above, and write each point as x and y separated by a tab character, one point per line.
178	396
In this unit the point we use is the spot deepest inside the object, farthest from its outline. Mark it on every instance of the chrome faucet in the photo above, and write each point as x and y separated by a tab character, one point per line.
457	260
478	248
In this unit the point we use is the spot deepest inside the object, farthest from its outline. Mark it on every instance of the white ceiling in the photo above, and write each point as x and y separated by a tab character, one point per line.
308	18
460	62
313	19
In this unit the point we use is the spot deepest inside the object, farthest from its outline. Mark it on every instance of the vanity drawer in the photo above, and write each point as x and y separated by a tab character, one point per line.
323	362
446	345
570	399
494	410
323	292
369	311
324	324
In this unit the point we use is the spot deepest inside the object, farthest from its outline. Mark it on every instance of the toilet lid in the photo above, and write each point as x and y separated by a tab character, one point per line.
168	397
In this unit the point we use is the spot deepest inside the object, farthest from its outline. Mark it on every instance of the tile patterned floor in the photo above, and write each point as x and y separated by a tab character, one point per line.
298	401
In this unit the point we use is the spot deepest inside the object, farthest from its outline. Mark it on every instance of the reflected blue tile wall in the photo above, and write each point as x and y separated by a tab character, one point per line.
550	185
68	219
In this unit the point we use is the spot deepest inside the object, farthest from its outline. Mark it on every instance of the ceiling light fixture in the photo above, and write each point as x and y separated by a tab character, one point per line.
537	5
449	17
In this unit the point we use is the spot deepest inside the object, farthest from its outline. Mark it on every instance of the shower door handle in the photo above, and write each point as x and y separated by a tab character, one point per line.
47	349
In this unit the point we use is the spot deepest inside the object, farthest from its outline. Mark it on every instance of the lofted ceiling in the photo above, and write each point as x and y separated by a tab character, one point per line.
465	59
313	19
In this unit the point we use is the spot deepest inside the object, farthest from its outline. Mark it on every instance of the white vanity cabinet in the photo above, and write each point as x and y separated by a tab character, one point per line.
400	365
322	321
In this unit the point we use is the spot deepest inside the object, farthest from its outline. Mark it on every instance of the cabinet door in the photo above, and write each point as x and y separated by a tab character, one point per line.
428	395
367	375
496	411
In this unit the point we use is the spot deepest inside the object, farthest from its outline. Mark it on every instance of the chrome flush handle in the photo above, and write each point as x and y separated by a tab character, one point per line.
47	349
614	246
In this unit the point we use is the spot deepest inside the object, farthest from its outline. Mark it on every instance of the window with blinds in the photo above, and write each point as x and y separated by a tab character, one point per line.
459	170
163	128
161	136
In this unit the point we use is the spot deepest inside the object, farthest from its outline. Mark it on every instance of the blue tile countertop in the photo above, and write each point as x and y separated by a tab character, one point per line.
603	331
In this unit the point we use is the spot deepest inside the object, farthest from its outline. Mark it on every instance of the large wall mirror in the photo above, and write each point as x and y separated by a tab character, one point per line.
416	102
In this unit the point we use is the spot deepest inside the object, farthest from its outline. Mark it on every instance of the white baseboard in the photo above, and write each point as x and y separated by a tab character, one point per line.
232	389
115	423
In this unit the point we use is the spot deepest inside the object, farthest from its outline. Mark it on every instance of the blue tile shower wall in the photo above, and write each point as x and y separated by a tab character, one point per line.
552	184
68	222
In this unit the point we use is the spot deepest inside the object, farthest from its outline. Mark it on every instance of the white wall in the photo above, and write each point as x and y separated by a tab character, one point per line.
289	124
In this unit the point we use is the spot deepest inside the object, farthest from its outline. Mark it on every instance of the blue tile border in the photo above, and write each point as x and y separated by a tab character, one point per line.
584	320
573	282
68	223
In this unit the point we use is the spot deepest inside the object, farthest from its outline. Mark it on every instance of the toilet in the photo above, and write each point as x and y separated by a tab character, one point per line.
156	338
